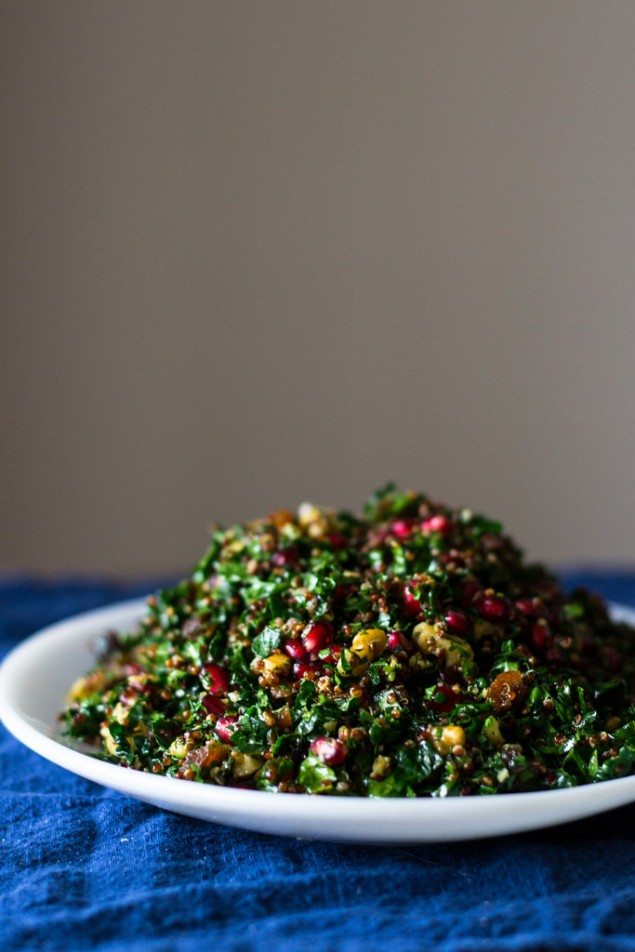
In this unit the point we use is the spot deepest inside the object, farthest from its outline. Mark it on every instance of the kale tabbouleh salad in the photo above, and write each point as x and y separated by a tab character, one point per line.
407	652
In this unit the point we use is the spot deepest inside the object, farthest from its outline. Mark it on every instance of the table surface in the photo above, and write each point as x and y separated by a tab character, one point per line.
86	868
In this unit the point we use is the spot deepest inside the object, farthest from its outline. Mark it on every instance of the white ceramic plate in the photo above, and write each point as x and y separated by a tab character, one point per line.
35	677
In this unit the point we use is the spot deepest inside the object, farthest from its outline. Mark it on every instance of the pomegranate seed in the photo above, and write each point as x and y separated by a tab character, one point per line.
306	669
471	588
132	668
398	642
457	622
330	750
213	705
401	528
317	635
540	633
438	523
333	655
411	604
225	727
218	678
526	606
285	557
493	608
450	699
342	592
337	540
295	649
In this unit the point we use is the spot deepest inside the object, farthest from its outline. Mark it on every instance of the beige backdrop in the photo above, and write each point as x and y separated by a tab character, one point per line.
261	251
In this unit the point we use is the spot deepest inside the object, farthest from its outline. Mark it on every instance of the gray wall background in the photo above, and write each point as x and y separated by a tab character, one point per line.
261	252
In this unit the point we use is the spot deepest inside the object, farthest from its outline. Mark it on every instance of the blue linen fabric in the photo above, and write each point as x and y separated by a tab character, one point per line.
86	868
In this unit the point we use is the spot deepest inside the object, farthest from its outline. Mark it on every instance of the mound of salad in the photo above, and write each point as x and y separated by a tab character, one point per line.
410	651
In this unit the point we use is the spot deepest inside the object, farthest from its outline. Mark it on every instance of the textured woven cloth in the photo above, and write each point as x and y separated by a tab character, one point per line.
85	868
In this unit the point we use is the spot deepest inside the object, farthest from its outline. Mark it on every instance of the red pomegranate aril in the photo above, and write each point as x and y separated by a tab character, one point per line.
457	622
342	592
438	523
317	635
285	557
493	608
213	705
337	540
218	678
526	606
225	727
333	655
411	604
394	640
540	634
471	587
397	641
330	751
450	699
401	528
306	669
295	649
132	668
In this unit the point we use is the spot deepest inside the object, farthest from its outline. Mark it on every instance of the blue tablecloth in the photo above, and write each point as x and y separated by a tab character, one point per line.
84	868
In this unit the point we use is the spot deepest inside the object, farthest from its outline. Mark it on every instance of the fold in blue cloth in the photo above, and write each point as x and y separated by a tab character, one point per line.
85	868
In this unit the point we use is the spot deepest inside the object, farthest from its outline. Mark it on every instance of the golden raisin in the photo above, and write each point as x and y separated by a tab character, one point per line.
506	690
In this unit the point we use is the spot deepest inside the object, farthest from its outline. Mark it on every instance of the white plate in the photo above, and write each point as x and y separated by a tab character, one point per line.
35	677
